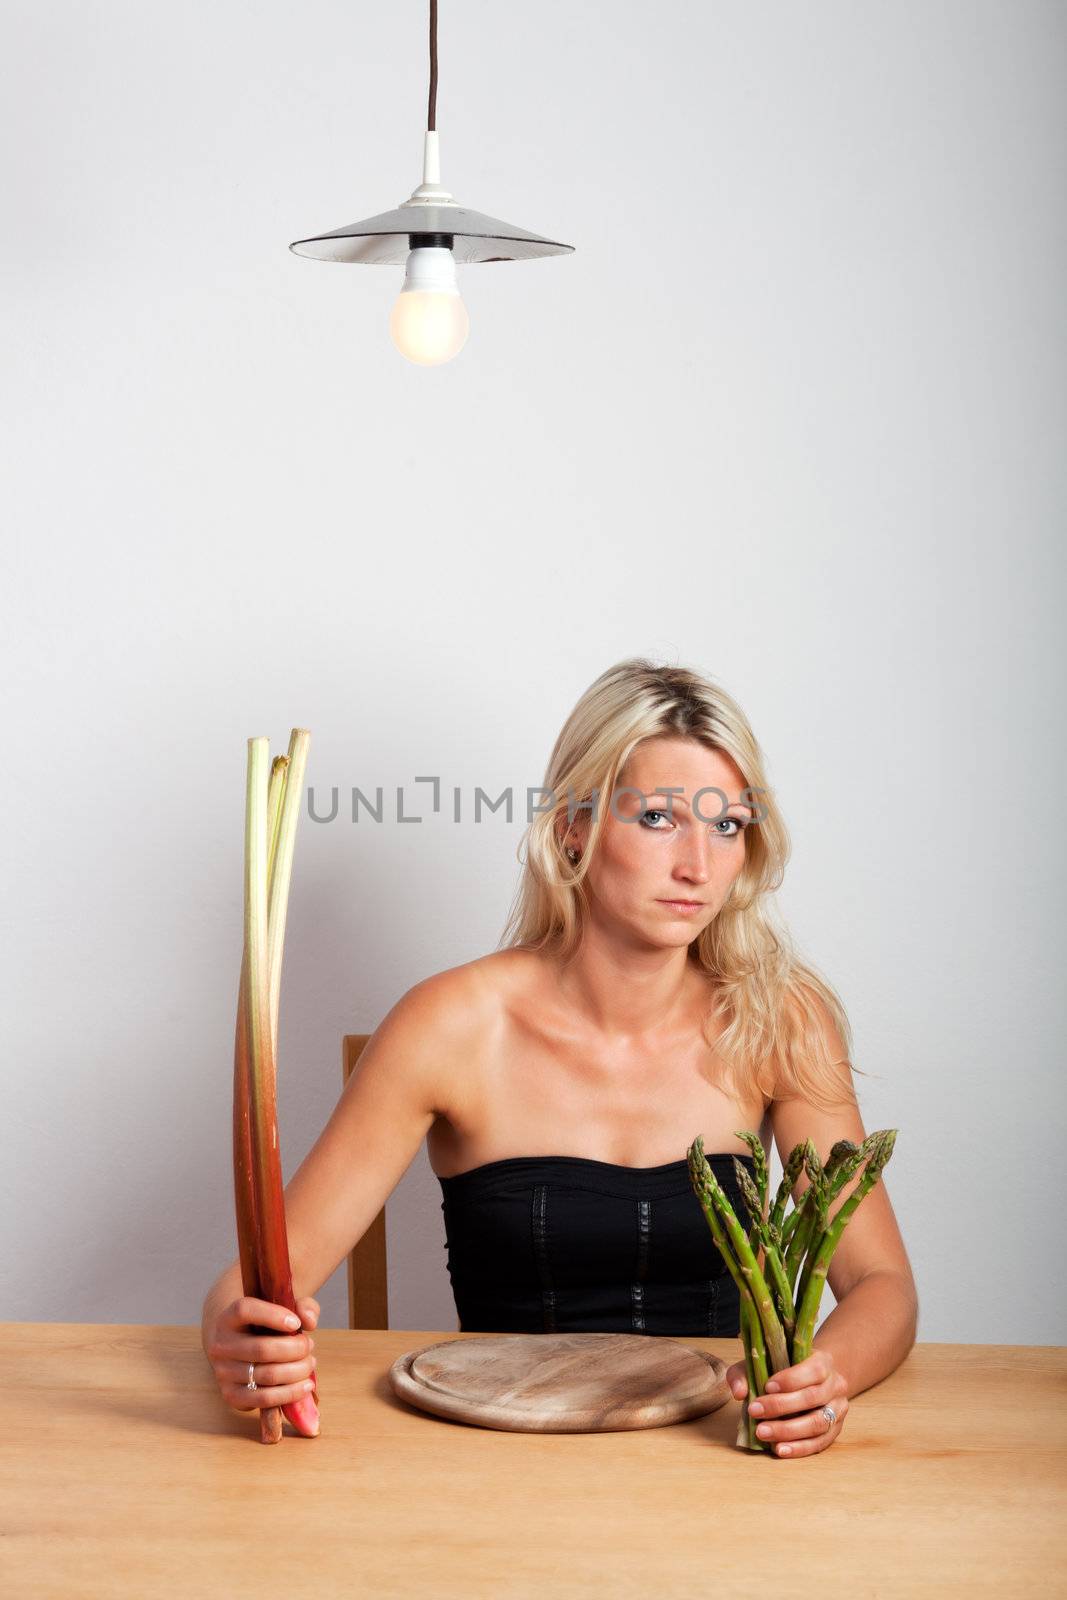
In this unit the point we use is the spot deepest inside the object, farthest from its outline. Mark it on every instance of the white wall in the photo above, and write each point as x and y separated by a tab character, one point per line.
793	413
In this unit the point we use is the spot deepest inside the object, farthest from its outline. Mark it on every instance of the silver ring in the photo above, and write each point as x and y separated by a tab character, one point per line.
830	1414
251	1384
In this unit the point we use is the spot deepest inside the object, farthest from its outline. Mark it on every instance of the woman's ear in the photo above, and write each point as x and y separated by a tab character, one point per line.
572	837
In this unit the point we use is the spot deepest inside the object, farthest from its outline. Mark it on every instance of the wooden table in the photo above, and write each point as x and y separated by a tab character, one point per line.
125	1473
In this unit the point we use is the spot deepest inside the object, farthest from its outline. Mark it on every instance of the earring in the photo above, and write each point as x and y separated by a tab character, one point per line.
573	855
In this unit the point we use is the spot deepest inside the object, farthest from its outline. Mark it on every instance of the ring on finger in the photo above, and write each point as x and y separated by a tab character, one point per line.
831	1416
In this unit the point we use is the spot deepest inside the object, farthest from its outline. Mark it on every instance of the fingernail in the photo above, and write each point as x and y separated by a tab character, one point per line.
783	1449
292	1322
755	1409
772	1387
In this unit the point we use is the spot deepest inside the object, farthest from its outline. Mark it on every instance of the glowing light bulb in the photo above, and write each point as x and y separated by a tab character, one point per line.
429	322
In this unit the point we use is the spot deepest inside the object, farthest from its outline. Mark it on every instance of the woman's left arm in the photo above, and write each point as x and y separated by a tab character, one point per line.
874	1323
870	1331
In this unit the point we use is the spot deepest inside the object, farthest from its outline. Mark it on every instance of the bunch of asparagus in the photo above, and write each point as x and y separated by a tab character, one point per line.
780	1262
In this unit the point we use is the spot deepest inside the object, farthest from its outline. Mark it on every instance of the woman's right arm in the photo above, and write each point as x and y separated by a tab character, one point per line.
401	1082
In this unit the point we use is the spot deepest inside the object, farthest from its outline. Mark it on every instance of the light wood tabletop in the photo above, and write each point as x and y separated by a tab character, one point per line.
125	1473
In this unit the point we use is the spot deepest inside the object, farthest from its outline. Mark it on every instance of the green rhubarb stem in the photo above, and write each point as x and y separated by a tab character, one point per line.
242	1128
255	975
262	940
244	1187
274	813
292	793
883	1143
283	814
277	903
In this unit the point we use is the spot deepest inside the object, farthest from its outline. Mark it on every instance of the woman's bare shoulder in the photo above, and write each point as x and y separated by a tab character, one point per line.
463	1010
465	1004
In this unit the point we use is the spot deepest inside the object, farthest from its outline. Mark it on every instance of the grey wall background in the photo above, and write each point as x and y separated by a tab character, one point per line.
793	413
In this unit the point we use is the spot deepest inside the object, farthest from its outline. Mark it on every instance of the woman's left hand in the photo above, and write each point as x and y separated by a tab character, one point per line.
791	1419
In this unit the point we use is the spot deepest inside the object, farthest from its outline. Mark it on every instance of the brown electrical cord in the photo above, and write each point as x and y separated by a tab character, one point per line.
432	116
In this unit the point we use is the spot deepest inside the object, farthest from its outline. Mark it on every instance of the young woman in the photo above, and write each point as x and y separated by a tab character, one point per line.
641	995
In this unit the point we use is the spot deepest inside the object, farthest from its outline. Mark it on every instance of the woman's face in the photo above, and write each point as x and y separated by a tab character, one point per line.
658	849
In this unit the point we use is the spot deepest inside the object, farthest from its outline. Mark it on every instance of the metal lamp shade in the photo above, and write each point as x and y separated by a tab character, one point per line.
384	240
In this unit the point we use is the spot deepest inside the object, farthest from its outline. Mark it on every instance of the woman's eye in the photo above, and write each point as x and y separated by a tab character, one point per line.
738	824
646	814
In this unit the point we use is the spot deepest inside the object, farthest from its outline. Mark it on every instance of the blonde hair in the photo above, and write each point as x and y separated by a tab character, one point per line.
770	1005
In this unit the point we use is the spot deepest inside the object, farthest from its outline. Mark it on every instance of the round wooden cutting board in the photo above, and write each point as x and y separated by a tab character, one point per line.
562	1382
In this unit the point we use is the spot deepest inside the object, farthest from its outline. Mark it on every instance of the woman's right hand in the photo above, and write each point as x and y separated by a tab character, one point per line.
284	1361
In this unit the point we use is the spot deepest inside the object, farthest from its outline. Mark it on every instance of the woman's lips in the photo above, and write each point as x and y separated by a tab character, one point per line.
683	907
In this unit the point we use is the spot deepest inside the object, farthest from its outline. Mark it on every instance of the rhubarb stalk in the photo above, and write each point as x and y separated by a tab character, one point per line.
271	813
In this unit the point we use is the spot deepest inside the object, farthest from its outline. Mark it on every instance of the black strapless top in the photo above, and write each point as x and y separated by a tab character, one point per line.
564	1244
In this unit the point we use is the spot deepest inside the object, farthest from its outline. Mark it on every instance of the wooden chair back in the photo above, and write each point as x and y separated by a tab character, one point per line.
368	1278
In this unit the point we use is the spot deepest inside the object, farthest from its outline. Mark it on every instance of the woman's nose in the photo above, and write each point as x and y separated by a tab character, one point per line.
694	857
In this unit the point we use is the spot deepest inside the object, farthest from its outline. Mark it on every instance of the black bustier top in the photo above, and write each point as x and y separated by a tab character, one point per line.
563	1244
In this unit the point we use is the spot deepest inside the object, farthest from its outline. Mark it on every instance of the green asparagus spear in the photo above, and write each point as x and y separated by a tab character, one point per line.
790	1174
759	1159
883	1143
762	1234
697	1161
840	1153
847	1165
842	1164
812	1204
755	1372
749	1193
713	1198
796	1217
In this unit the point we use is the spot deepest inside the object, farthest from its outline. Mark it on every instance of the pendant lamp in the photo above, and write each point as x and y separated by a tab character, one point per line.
430	232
